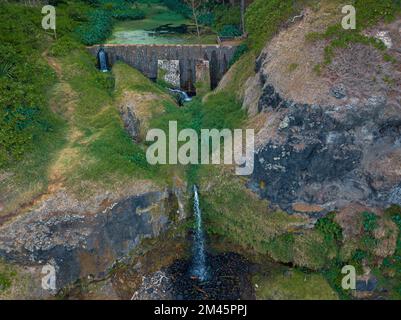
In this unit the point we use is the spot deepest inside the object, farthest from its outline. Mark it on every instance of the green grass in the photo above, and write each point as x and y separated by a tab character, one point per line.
30	134
263	19
293	285
108	152
7	274
369	13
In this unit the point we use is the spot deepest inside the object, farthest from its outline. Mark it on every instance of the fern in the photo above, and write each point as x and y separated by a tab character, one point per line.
6	70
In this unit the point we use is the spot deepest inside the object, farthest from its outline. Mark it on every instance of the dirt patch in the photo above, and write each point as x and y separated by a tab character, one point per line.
358	71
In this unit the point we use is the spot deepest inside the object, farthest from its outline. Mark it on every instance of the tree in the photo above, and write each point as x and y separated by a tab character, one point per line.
195	5
243	16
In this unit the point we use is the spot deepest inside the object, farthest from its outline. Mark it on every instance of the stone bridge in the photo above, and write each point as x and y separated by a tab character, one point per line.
188	61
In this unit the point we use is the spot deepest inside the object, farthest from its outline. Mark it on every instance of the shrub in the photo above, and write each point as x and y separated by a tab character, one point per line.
225	15
24	80
239	52
230	31
98	28
370	12
329	228
178	6
369	221
263	19
207	19
64	46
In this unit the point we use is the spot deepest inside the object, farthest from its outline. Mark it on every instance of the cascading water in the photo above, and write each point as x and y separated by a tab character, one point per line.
184	95
199	269
102	61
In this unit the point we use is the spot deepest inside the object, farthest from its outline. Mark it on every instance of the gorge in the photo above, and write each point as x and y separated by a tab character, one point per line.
321	187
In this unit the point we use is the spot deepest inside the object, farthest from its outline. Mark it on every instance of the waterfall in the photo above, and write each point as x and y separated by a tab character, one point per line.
102	60
199	257
184	95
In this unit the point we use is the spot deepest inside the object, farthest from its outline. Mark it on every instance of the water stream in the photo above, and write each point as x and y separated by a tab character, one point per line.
102	61
199	269
184	97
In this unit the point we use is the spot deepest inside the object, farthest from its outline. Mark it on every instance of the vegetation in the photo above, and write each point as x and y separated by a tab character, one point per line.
389	272
263	20
59	123
293	285
99	22
7	275
369	13
24	80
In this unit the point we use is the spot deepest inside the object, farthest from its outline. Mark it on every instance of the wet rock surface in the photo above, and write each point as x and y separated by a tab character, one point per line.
229	279
78	242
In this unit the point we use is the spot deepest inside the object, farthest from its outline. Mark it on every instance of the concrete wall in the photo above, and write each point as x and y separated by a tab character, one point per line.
145	57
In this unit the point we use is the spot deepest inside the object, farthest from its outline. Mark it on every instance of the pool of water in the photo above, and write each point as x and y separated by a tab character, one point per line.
159	18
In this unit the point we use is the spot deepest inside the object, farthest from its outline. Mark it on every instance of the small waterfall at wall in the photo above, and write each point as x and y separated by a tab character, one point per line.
185	97
102	59
199	269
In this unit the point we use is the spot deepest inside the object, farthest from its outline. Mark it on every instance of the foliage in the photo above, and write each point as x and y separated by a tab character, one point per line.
369	221
24	79
6	277
329	228
390	271
293	284
99	21
98	28
263	19
6	70
369	12
230	31
206	18
64	45
178	6
239	52
225	15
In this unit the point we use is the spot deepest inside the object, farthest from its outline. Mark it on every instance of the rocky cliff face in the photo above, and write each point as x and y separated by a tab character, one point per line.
334	146
84	238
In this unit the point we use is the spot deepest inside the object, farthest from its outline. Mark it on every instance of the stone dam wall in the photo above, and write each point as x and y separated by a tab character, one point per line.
145	59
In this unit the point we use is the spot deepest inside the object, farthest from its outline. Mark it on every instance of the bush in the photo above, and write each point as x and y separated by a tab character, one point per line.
128	14
98	28
230	31
239	52
329	228
225	15
64	46
263	19
178	6
207	19
370	12
369	221
24	79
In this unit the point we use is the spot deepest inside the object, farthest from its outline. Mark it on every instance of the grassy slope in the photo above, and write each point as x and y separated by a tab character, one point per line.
23	176
107	154
293	285
236	215
86	146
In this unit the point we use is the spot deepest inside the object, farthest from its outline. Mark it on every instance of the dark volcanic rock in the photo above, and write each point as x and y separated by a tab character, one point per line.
229	279
85	238
328	155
